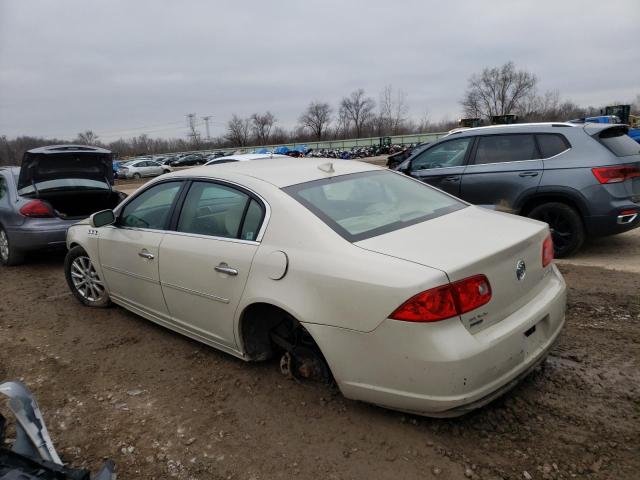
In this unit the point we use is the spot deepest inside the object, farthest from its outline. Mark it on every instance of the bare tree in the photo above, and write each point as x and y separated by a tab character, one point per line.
238	131
317	118
358	108
498	91
393	111
87	137
261	126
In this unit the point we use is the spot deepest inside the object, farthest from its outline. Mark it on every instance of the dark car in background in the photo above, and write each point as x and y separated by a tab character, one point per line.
583	180
188	161
55	187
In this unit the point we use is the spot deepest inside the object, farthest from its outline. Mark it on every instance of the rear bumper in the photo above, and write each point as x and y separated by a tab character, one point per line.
441	369
603	225
40	234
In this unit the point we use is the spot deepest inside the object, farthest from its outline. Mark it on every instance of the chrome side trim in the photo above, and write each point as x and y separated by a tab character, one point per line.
211	237
195	292
131	274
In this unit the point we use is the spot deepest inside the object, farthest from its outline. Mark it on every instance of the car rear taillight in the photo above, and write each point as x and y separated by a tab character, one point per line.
446	301
37	209
547	251
615	174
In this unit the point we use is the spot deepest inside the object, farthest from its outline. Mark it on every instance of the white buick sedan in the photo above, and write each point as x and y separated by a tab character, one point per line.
408	297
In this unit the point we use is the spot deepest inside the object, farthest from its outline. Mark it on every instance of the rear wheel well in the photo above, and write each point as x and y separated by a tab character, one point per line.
267	331
538	200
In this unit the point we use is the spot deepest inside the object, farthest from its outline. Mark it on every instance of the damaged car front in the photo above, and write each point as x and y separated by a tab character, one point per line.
32	455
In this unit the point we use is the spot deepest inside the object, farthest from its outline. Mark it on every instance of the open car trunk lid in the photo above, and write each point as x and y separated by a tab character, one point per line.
475	241
65	162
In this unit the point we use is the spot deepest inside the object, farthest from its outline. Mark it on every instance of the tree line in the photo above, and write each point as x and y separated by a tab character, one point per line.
499	90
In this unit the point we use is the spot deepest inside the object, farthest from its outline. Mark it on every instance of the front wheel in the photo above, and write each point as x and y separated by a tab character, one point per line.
137	176
567	229
83	280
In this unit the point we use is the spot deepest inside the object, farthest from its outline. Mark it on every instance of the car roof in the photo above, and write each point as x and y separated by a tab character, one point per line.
281	172
512	128
240	157
58	149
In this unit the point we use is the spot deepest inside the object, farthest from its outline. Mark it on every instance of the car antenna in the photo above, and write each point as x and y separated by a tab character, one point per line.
327	167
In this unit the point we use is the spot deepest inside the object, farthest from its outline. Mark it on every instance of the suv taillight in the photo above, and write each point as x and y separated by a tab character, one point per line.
446	301
547	251
37	209
615	174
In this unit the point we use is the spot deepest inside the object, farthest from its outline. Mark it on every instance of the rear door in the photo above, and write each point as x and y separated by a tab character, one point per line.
443	164
205	262
503	170
129	250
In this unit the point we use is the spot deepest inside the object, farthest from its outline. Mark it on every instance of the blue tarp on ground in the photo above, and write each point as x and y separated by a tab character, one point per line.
262	150
281	150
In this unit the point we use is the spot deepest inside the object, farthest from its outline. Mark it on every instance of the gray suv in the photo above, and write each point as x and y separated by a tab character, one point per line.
583	180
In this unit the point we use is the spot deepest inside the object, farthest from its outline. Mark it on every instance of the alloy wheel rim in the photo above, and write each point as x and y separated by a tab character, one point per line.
4	245
86	280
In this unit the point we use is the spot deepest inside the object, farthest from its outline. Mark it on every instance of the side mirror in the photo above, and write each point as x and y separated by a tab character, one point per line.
102	218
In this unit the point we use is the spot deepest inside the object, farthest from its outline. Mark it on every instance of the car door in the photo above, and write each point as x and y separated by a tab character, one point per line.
504	169
442	164
205	262
129	249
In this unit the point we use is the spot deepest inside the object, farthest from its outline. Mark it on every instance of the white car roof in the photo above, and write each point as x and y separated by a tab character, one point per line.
281	170
241	157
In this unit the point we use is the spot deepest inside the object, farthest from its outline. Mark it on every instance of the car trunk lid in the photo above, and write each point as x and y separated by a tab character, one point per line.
475	241
65	162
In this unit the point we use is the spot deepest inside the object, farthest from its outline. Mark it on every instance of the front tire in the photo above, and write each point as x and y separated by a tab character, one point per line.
83	280
9	255
137	176
567	229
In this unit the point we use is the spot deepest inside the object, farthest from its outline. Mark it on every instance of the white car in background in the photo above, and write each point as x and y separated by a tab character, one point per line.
244	157
408	297
142	168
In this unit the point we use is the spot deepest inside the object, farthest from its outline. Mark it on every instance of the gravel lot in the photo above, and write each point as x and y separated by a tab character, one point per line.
113	385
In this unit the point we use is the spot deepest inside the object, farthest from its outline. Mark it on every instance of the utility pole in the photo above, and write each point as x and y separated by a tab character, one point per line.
206	124
193	133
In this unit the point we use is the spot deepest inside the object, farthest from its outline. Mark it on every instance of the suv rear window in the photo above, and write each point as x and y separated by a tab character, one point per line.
364	205
552	144
621	144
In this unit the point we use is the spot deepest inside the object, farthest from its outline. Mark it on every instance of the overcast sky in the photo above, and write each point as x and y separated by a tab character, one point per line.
125	67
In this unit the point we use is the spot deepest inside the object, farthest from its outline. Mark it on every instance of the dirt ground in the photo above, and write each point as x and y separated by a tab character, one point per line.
112	385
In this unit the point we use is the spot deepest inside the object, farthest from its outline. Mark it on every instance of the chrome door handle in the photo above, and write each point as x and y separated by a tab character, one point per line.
452	179
529	174
147	255
224	268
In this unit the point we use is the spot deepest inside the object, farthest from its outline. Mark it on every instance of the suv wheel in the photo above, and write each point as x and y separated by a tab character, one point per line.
83	280
9	256
567	229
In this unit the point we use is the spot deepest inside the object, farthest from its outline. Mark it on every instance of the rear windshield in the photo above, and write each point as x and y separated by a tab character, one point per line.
621	144
364	205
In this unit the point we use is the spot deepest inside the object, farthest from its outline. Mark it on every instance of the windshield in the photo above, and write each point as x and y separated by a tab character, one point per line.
65	184
364	205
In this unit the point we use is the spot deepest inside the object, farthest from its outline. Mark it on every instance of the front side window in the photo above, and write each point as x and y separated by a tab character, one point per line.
505	148
151	208
364	205
446	154
220	211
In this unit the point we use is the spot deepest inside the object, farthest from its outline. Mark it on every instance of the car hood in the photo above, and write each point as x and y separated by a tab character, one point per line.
41	165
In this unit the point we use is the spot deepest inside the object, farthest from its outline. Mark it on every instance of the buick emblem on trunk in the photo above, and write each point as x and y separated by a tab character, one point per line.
521	269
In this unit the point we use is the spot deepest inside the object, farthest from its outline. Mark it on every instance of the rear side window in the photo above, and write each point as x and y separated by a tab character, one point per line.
621	144
552	144
3	187
505	148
